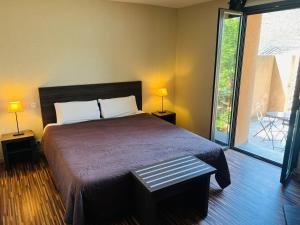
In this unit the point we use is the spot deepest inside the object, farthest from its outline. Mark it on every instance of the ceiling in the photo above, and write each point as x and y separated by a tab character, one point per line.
166	3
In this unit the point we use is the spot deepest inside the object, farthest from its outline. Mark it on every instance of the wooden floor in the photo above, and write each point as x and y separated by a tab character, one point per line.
28	196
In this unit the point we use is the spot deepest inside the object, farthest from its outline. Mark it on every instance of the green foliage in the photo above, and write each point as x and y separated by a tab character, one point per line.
227	72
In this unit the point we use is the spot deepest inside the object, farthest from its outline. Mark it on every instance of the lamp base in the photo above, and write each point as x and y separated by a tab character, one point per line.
18	134
162	111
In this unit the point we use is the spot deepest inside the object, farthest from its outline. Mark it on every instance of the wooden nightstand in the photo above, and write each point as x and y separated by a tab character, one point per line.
18	147
167	116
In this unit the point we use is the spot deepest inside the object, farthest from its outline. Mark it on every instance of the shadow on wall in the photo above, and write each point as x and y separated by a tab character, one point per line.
274	82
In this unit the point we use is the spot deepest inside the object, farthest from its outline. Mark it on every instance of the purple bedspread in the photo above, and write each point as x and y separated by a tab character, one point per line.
90	162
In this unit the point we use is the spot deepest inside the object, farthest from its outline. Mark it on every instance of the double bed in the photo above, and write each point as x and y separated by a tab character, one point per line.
90	162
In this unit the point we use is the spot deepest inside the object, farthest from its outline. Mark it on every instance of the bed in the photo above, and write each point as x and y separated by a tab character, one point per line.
90	162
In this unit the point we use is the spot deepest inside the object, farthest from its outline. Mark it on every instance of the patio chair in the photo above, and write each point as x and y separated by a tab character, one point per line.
264	123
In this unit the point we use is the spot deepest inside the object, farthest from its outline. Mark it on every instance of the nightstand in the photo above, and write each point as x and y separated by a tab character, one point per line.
167	116
18	147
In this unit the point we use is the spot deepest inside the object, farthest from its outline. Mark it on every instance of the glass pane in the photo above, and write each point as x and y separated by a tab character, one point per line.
267	85
291	156
226	76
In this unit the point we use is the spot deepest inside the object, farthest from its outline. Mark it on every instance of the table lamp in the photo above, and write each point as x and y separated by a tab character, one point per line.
162	92
15	107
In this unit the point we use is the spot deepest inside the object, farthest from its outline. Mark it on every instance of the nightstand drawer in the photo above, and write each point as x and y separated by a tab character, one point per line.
18	147
167	116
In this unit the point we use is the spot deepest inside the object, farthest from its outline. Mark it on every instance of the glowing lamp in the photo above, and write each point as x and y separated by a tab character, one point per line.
15	107
162	92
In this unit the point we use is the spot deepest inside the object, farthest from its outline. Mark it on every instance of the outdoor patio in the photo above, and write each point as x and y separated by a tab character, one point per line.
269	146
270	83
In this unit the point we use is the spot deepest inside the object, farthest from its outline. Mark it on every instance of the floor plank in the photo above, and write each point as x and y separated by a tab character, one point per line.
28	196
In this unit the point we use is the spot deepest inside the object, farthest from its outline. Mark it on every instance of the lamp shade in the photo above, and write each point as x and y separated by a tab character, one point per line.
163	92
15	107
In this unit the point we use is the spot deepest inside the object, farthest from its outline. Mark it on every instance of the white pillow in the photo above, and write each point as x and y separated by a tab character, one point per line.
117	107
75	112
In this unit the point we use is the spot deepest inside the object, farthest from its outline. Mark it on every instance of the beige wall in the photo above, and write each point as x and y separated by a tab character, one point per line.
247	79
284	71
272	84
64	42
262	83
277	92
196	43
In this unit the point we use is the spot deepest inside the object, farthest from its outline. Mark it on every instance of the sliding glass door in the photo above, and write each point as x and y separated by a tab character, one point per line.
231	109
229	34
292	149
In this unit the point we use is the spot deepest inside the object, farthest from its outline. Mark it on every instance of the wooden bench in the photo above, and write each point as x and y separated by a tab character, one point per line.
167	179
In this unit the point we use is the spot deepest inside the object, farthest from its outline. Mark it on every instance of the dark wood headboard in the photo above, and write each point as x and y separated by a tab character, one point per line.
50	95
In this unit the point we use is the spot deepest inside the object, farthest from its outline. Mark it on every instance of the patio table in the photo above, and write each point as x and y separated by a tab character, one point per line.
285	116
274	116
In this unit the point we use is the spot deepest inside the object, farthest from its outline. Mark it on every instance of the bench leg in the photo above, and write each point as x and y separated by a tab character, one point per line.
199	196
146	207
